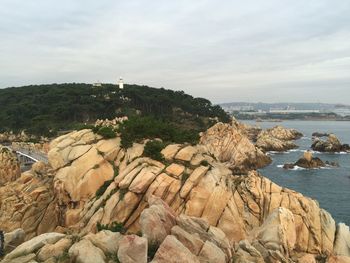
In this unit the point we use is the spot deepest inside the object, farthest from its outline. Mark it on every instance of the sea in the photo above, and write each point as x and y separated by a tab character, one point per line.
330	187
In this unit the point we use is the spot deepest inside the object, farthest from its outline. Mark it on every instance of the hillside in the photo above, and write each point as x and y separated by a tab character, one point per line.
46	109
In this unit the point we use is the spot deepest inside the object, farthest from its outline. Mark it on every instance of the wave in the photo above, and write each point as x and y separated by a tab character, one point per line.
306	138
298	168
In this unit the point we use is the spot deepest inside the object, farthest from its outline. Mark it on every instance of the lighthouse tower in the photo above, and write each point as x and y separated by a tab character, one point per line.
121	83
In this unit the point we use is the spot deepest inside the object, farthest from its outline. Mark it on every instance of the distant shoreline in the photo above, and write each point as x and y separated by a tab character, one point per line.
282	120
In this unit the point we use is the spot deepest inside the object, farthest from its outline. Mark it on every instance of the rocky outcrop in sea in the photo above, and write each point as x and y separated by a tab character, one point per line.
278	139
331	144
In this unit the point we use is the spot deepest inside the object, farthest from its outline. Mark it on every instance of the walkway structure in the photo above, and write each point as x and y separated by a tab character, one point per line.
27	157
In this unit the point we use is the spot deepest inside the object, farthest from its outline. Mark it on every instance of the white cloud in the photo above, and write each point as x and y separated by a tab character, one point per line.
227	50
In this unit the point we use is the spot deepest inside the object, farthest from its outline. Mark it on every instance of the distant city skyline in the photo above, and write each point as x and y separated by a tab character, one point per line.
270	51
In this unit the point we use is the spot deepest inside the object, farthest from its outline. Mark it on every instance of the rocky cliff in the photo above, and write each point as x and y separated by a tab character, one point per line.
193	206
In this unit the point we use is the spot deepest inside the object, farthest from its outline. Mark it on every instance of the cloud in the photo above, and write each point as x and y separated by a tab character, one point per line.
225	51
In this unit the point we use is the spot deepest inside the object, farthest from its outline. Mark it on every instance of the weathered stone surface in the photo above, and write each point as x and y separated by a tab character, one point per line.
342	241
211	253
9	166
229	144
28	203
267	143
85	252
186	153
278	232
191	241
34	244
13	239
157	220
54	250
175	170
133	249
173	251
105	240
170	151
29	258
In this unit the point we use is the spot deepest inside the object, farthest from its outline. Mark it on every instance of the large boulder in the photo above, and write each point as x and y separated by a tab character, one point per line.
13	239
228	144
342	241
173	251
133	249
85	252
157	221
278	232
34	245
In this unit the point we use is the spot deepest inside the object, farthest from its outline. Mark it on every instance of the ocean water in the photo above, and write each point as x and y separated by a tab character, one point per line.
329	186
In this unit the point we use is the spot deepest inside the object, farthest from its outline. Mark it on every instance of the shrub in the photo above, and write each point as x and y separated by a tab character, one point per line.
112	257
103	188
152	250
106	132
122	193
184	177
116	171
114	227
205	163
138	128
153	150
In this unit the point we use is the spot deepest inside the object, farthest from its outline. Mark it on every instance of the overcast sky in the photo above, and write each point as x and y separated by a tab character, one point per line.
252	50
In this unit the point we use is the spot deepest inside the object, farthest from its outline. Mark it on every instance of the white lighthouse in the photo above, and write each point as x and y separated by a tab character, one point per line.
121	83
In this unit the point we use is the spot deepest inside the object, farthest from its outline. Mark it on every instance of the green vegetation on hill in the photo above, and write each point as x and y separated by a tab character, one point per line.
47	109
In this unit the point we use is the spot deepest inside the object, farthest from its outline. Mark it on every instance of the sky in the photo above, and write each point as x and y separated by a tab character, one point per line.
229	50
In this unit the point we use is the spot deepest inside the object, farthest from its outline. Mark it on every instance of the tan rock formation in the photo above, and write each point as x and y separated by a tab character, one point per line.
277	139
229	144
9	166
29	203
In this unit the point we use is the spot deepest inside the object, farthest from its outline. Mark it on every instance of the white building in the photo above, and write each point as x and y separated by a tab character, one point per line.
121	83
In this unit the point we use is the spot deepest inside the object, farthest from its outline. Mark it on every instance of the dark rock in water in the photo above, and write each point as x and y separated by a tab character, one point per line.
333	164
314	163
309	162
289	166
332	144
320	134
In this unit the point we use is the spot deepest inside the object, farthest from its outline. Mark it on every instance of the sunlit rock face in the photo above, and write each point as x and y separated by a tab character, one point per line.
194	205
9	166
29	203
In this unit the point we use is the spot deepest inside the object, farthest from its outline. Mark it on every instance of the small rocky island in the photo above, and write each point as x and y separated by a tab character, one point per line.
278	139
309	162
332	145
